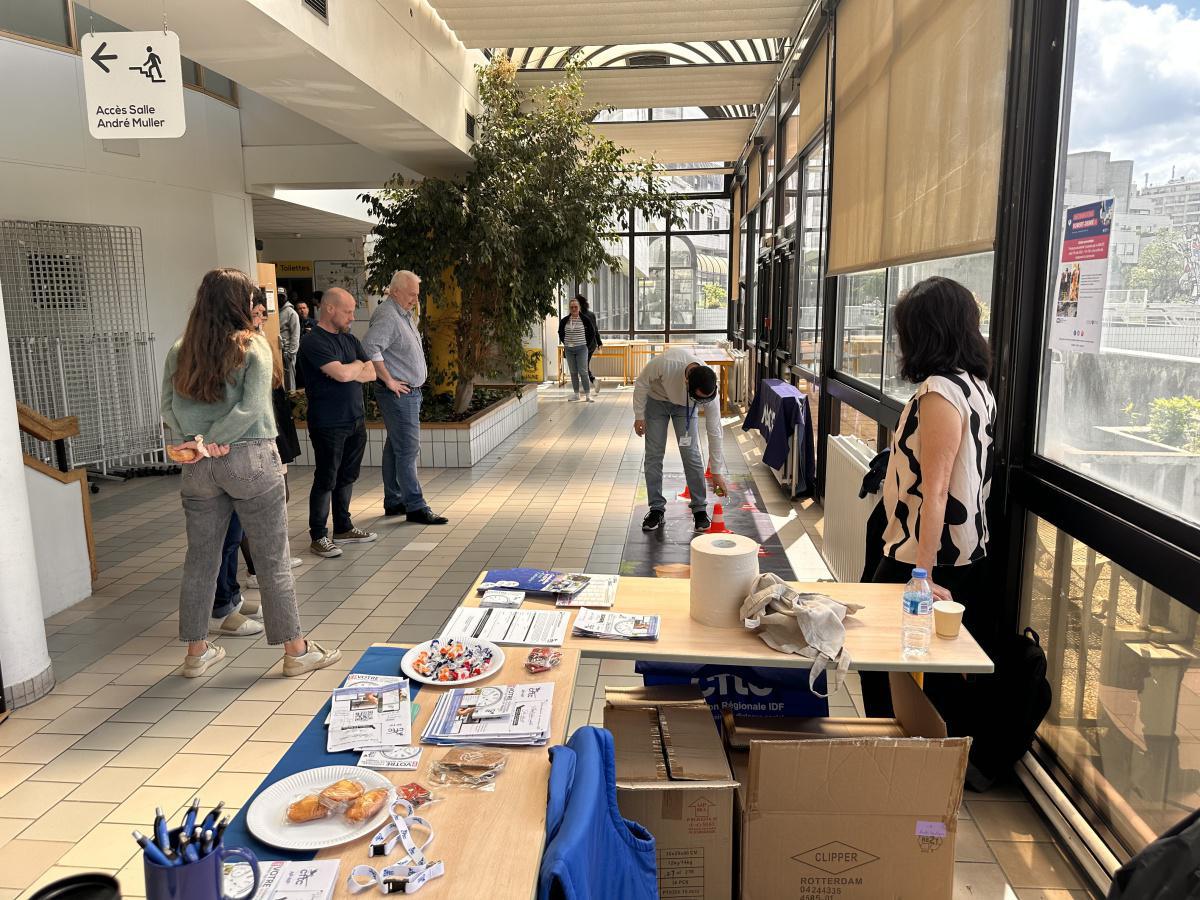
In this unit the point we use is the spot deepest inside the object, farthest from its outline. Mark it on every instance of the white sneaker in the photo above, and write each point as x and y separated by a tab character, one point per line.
589	398
317	657
574	399
252	608
251	581
195	666
296	561
237	625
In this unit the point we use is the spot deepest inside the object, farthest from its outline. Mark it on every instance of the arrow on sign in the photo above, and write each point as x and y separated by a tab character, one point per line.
99	56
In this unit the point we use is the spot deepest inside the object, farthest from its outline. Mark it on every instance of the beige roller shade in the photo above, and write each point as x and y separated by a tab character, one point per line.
918	120
809	114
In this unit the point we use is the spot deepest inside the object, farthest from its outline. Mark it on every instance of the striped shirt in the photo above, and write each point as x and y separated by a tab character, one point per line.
575	335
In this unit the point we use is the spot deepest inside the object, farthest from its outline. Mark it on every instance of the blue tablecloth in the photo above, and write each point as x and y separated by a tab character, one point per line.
777	411
308	752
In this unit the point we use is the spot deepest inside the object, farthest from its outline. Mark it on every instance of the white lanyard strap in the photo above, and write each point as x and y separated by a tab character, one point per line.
400	879
412	873
399	831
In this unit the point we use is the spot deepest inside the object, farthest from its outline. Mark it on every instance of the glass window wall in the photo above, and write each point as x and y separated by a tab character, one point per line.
1121	368
974	272
1124	666
42	20
861	304
811	290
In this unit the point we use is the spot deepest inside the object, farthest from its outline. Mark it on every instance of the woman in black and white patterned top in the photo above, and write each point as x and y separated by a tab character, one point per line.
579	339
939	473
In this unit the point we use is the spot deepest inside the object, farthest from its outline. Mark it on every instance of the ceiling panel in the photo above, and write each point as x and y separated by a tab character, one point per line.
699	140
535	23
628	87
278	218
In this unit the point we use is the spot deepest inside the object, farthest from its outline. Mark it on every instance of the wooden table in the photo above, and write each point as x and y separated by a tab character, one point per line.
713	356
491	842
872	634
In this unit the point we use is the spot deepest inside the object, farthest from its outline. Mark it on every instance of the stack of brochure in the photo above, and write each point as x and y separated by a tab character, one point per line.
601	592
615	626
533	581
370	712
515	627
516	715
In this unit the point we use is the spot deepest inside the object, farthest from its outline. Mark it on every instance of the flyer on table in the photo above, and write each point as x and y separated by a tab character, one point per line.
1082	278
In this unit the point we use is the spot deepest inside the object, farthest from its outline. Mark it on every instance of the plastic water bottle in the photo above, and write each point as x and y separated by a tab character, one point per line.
916	626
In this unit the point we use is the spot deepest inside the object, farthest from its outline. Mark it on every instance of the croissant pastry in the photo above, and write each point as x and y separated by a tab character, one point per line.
342	791
307	809
367	805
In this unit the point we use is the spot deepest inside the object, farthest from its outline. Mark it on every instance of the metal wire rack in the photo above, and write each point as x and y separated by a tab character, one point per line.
75	303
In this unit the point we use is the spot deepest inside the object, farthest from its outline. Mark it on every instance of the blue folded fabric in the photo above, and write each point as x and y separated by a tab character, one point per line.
592	851
308	752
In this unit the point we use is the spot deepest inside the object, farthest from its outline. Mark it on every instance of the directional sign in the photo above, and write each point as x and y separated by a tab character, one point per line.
133	84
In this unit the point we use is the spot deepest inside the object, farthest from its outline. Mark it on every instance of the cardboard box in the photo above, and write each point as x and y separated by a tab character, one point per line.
673	778
828	809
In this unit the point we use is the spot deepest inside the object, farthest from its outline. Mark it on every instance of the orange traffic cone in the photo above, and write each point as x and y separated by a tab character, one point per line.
686	495
718	521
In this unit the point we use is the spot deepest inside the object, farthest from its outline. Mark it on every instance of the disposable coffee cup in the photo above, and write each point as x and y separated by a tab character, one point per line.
947	618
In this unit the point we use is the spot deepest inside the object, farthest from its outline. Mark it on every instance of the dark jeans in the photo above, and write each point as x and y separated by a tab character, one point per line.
338	454
229	592
964	582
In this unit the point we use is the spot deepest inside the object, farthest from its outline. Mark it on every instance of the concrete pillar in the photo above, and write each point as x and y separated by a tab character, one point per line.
23	654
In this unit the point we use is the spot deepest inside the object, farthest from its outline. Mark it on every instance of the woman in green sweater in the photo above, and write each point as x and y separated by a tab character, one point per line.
216	401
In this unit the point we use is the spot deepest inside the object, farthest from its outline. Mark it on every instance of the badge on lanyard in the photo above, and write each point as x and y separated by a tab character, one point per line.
686	439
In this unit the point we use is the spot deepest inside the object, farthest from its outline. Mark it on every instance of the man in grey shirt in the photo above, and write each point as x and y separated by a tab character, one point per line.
289	339
670	391
393	344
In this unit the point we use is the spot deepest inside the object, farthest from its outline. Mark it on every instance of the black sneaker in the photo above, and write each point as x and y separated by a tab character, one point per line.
426	516
654	519
394	510
703	522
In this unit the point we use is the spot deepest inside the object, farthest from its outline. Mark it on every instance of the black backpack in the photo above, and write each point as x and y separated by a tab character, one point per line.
1000	711
1166	869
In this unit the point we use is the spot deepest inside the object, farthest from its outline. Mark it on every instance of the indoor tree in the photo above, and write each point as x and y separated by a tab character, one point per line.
531	215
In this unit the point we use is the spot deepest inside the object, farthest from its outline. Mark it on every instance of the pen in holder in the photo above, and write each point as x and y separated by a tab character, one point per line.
203	879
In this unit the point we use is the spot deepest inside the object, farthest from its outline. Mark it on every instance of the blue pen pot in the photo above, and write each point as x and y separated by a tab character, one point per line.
202	880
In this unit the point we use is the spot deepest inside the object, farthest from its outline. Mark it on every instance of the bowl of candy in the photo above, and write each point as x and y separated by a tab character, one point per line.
452	661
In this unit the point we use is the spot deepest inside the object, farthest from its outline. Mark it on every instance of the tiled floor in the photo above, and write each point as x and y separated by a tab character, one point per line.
123	733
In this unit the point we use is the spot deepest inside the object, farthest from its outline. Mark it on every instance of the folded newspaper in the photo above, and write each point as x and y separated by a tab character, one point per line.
615	626
601	591
516	627
500	714
370	715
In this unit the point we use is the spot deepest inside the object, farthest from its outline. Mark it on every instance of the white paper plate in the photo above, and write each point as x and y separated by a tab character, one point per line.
266	817
406	664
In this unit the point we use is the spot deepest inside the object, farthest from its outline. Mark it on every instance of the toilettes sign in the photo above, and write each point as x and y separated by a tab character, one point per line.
133	84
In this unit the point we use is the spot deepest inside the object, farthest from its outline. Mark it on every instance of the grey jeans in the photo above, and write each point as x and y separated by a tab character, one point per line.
577	363
660	414
249	480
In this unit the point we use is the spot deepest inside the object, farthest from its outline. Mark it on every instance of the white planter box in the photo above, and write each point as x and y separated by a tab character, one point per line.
458	445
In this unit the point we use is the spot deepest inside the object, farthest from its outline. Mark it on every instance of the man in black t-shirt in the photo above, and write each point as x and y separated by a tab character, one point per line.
335	367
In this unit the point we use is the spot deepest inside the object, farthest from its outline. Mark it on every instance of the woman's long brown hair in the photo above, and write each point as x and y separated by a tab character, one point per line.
217	335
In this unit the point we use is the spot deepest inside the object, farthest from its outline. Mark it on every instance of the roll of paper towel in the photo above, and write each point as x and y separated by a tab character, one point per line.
724	567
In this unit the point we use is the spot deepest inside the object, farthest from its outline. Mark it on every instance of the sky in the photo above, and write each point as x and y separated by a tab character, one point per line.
1136	90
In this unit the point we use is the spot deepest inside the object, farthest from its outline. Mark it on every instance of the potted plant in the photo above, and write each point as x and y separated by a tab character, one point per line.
494	246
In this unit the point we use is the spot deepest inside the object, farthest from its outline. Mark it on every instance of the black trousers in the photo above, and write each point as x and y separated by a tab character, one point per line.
338	454
964	582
